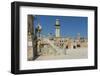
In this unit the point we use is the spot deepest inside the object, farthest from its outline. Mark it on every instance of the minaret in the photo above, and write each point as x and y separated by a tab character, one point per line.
78	36
57	27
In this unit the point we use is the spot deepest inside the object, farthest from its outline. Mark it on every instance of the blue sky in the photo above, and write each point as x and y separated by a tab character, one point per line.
69	25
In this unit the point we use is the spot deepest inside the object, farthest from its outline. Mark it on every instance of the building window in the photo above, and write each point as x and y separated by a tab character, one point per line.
66	47
78	45
74	47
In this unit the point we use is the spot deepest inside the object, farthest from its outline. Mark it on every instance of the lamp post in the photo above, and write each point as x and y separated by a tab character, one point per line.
39	28
38	31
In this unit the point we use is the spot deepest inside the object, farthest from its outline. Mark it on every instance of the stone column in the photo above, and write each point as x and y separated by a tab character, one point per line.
32	40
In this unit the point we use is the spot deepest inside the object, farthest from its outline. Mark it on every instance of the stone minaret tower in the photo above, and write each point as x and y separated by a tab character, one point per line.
57	27
78	36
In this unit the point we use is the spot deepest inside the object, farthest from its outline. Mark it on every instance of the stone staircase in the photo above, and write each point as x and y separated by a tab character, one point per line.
56	48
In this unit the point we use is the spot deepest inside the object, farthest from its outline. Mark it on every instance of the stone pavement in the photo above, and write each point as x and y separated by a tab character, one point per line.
79	53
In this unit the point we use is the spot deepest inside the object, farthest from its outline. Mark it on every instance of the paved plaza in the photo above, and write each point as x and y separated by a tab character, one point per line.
80	53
